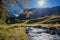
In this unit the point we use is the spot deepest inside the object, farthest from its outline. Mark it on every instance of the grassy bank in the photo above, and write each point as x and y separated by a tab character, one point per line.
13	33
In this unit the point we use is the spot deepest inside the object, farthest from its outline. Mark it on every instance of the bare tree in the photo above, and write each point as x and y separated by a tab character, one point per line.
4	8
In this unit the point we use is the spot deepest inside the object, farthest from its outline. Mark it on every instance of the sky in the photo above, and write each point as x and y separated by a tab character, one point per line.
36	4
46	3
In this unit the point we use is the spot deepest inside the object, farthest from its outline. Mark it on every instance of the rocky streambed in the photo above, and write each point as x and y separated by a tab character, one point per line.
35	33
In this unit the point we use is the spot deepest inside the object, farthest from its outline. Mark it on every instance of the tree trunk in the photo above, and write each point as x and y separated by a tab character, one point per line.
2	14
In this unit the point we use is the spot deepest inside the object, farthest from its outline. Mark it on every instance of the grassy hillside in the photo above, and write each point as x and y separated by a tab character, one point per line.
43	21
46	20
38	21
52	20
32	21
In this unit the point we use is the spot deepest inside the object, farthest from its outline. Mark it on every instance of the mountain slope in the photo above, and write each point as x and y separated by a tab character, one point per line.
41	12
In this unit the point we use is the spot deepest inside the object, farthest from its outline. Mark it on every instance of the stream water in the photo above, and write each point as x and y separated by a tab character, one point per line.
42	34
